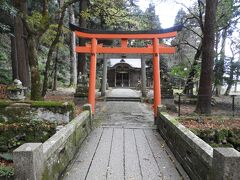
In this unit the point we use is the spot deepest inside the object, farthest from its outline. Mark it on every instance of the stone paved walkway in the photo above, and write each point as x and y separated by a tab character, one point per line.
123	92
126	146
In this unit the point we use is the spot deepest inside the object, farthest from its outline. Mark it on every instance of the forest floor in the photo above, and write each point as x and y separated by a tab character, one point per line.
66	94
222	114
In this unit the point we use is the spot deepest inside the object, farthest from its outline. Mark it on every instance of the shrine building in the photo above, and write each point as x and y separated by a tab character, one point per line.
123	74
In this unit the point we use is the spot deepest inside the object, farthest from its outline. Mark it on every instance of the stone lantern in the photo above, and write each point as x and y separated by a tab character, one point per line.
16	90
82	86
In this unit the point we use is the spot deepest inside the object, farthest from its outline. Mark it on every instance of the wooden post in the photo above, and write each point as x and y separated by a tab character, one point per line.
92	80
156	76
144	78
115	78
104	78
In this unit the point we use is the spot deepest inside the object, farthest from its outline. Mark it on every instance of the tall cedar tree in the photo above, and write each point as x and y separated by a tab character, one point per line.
19	45
84	4
205	87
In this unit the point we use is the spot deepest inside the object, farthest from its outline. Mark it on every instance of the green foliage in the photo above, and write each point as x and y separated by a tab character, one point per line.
37	20
6	171
50	34
151	18
15	134
120	15
224	13
5	6
5	64
180	71
6	156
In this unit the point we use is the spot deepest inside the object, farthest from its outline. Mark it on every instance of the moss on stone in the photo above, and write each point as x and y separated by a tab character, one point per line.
63	158
44	104
67	106
4	103
25	111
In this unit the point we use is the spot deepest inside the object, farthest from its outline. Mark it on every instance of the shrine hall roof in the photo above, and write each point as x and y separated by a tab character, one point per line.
135	63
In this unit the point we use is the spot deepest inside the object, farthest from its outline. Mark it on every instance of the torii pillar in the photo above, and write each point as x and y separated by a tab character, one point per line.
155	49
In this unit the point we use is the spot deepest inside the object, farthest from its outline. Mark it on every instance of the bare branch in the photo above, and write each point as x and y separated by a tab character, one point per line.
200	4
189	29
187	43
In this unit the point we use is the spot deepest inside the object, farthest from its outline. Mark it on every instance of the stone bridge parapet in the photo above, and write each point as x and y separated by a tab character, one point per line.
48	160
198	158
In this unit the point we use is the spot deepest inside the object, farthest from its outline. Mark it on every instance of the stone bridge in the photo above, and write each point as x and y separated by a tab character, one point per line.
126	145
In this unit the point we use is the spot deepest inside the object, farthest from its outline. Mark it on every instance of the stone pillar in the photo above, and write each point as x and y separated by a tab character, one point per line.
226	164
104	77
144	78
88	107
28	161
115	79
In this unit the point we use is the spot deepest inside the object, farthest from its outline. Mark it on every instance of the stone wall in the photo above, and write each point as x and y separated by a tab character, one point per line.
48	161
60	112
198	158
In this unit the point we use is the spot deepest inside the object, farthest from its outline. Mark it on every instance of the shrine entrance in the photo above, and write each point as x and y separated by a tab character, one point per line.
155	49
122	79
122	75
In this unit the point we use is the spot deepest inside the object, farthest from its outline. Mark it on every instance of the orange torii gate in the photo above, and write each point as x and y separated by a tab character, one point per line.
155	49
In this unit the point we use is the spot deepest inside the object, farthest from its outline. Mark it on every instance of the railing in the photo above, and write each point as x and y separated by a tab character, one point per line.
224	105
199	159
48	160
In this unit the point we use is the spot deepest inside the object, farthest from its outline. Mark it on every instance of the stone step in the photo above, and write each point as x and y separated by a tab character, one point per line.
132	99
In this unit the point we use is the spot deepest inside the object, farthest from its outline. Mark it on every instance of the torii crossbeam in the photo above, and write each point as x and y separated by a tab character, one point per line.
155	49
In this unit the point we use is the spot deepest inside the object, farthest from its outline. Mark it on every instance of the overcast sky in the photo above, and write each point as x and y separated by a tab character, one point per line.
166	10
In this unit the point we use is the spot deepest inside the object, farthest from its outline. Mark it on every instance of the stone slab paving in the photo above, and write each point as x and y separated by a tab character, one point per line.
127	114
126	146
123	92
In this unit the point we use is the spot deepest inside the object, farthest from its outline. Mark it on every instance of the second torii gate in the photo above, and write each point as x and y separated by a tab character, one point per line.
155	49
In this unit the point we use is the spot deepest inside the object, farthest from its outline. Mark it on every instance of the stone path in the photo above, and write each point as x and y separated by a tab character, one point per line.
123	92
126	146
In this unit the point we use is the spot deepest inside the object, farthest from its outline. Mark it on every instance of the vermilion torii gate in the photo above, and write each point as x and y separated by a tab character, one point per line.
155	49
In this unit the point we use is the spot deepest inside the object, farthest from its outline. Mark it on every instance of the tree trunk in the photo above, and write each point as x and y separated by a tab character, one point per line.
73	57
189	83
14	58
50	53
205	87
35	74
236	84
54	88
144	78
21	46
219	67
230	80
82	23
